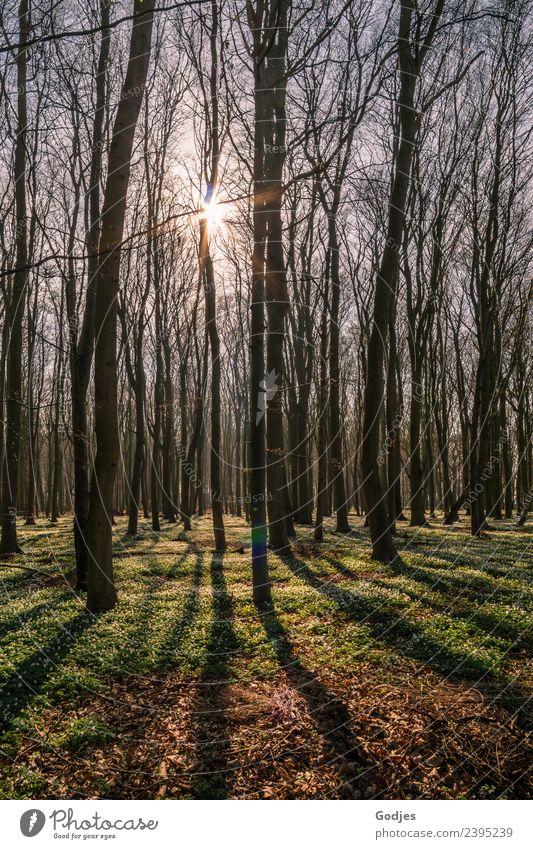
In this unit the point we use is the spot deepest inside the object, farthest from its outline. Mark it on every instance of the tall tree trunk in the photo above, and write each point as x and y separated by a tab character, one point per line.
441	425
184	454
208	276
135	373
214	344
277	304
13	384
138	454
322	443
336	460
268	24
416	470
276	293
506	460
101	592
158	404
260	575
383	547
393	422
188	456
238	459
169	510
58	459
33	465
81	351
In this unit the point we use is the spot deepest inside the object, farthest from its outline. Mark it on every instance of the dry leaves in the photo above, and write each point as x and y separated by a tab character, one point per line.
280	740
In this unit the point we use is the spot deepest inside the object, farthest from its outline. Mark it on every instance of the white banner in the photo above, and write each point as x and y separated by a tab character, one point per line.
268	824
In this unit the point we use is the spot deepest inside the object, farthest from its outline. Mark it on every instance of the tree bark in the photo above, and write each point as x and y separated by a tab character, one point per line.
208	277
101	592
81	351
13	385
383	547
335	446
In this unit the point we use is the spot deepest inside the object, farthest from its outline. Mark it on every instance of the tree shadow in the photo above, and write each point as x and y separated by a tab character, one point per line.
27	680
136	643
490	622
447	561
183	625
464	588
21	581
31	615
331	715
409	638
210	708
468	590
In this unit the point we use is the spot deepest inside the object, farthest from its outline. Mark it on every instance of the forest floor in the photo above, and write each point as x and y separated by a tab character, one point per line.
363	681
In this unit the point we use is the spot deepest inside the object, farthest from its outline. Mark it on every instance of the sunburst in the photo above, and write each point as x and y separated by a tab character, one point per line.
214	213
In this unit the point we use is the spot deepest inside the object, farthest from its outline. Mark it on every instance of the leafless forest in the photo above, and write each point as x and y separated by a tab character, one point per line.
267	261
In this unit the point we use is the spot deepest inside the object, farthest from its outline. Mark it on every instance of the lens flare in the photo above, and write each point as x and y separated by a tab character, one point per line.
214	213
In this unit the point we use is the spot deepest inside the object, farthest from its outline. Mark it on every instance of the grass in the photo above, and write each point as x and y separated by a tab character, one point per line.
402	681
85	732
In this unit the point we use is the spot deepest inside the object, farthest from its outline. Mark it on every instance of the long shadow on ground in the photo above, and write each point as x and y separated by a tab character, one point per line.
168	657
26	617
432	584
331	715
409	638
210	710
28	679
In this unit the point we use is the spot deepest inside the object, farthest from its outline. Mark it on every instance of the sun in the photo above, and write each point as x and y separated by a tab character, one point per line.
214	213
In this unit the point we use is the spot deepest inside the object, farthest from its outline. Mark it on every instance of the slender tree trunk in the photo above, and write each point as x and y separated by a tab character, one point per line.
58	459
260	575
81	351
276	293
336	460
268	23
184	454
101	592
137	382
13	384
188	457
322	443
383	547
477	516
169	510
33	465
277	304
238	460
418	516
441	424
506	461
208	277
158	403
214	343
392	418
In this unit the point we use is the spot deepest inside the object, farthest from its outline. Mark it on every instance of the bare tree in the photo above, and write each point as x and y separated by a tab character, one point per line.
412	51
17	300
101	592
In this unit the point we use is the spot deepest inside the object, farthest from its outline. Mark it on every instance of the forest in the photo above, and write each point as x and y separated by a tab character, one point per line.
266	398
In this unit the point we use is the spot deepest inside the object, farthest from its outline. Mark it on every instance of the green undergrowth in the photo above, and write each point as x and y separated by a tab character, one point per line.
456	607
